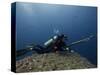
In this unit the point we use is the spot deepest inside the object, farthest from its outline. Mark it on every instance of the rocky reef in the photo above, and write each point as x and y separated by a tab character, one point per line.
52	61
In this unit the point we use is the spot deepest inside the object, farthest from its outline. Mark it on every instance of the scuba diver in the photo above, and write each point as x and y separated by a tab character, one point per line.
55	44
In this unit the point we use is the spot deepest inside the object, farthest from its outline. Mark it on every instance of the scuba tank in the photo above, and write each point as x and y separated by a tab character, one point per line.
54	39
51	41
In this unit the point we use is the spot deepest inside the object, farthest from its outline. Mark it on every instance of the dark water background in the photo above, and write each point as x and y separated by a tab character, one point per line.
36	23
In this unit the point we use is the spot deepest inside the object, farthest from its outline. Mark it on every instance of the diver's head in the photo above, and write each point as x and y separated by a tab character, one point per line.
62	36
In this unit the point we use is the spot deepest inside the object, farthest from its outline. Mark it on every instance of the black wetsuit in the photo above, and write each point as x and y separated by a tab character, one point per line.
59	44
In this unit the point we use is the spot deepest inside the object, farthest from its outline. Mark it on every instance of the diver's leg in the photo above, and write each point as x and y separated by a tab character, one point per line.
39	49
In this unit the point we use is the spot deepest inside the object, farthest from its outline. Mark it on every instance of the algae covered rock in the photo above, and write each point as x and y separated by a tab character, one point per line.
52	61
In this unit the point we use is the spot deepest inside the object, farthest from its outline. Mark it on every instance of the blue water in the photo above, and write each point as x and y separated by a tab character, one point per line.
36	23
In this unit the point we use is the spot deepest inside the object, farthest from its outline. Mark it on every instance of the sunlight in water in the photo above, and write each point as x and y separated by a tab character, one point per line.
27	8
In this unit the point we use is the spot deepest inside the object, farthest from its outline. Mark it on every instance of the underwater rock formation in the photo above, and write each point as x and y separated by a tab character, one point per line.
52	61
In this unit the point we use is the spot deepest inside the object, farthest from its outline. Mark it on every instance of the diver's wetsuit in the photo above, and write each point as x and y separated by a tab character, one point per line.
39	49
59	43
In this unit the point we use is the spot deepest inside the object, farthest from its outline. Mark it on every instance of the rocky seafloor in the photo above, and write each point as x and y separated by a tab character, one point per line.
52	62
